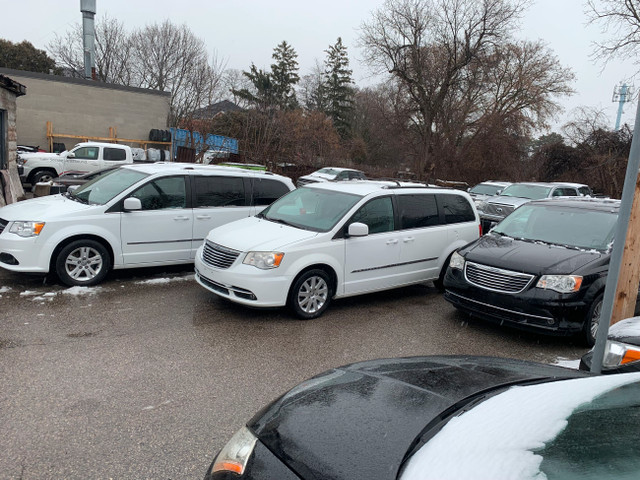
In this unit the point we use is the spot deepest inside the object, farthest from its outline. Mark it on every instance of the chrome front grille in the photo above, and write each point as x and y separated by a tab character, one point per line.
498	210
3	224
218	256
496	279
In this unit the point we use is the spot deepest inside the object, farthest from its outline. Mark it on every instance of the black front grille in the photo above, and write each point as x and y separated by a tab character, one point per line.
3	224
496	279
218	256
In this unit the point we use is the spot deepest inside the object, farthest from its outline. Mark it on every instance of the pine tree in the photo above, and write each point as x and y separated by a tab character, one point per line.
338	88
263	95
284	74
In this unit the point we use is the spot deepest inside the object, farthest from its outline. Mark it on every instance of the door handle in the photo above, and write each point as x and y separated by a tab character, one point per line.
181	218
392	242
203	217
408	239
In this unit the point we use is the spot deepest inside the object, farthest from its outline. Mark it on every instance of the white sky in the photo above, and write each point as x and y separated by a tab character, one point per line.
245	31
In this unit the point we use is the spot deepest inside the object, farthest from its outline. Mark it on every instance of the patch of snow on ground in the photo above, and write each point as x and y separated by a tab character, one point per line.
497	438
28	293
567	363
81	290
5	289
41	298
159	281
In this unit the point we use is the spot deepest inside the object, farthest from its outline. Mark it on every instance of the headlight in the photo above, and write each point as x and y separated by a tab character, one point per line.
457	261
20	160
616	354
264	260
560	283
234	456
26	229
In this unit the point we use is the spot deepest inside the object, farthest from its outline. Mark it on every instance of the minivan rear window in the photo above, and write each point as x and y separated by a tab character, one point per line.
418	211
218	191
457	209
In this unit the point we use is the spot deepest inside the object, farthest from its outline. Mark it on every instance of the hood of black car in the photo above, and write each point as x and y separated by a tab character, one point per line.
529	257
359	421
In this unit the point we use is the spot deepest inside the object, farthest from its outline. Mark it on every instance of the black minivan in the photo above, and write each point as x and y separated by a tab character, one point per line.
542	268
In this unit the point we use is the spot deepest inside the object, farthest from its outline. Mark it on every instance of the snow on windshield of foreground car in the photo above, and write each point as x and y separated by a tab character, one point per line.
561	225
563	429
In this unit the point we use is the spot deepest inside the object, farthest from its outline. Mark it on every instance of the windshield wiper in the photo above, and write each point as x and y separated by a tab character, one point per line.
71	196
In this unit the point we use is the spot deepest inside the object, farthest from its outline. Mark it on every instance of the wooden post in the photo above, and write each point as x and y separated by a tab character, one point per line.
624	301
50	135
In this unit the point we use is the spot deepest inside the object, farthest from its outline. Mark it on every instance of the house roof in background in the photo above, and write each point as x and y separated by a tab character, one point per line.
211	111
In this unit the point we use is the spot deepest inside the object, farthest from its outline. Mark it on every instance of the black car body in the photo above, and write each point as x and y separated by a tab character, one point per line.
365	420
503	276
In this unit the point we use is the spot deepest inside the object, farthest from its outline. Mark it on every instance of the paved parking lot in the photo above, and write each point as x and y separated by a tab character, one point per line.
147	375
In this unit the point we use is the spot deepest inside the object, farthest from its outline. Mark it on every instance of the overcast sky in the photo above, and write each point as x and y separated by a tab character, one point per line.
245	31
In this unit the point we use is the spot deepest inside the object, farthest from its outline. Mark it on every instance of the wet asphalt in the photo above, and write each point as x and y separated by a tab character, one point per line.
148	375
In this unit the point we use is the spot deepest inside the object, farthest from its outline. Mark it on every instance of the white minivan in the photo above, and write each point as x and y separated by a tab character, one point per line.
134	216
332	240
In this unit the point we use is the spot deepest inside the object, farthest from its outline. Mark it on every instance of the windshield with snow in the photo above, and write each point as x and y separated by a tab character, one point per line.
311	209
102	189
532	192
560	225
484	189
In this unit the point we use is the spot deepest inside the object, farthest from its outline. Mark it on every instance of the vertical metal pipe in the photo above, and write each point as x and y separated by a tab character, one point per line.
88	9
628	191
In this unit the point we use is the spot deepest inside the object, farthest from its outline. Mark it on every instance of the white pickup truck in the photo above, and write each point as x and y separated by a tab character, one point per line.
83	158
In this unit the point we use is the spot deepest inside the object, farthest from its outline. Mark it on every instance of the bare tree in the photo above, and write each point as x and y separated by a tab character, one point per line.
622	17
426	45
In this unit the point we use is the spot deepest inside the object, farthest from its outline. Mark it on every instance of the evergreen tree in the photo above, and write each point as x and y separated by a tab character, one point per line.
284	75
263	95
338	91
24	56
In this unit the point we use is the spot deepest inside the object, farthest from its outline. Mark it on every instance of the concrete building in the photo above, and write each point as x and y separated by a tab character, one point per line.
10	186
85	108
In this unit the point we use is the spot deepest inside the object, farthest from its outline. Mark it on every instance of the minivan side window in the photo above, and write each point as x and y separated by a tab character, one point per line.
376	214
456	208
114	154
417	211
267	191
161	193
218	191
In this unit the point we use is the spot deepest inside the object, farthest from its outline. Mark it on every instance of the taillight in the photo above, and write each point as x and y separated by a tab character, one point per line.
480	228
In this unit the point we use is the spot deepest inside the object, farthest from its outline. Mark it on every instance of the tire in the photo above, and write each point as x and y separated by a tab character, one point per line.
592	321
83	263
439	283
311	294
42	176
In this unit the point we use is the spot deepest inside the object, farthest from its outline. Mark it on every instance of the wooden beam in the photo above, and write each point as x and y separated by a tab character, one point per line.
624	301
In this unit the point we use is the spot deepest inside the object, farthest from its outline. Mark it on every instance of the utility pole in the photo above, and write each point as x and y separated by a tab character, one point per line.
622	95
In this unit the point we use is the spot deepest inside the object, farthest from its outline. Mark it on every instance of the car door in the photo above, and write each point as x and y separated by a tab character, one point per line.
371	262
217	199
83	160
423	236
161	232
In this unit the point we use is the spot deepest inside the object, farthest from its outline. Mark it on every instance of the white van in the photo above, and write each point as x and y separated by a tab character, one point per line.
336	240
133	216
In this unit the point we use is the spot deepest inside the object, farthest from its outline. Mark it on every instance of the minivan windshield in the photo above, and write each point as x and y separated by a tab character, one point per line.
523	190
102	189
310	208
561	225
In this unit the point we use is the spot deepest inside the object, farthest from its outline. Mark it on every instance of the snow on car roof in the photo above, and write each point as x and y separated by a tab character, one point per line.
497	438
170	167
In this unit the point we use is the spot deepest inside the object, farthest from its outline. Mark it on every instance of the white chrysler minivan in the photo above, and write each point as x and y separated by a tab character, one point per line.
334	240
134	216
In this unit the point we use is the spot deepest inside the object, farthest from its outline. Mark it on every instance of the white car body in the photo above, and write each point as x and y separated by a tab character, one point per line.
330	174
356	264
147	236
83	158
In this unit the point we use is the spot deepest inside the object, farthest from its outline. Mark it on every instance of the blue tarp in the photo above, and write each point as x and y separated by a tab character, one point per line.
186	138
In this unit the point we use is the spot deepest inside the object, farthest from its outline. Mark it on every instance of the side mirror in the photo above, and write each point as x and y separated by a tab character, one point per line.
498	192
132	204
72	188
358	229
71	155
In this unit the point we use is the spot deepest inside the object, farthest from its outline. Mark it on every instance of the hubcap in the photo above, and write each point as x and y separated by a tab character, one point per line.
313	294
595	319
83	264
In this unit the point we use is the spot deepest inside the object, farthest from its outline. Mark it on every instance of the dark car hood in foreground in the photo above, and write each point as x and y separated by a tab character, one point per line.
530	257
359	421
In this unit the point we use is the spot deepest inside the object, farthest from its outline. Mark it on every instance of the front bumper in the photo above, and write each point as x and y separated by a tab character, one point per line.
244	284
534	309
28	255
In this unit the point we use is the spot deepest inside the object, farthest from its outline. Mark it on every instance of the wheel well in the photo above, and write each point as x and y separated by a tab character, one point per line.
67	241
42	169
320	266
